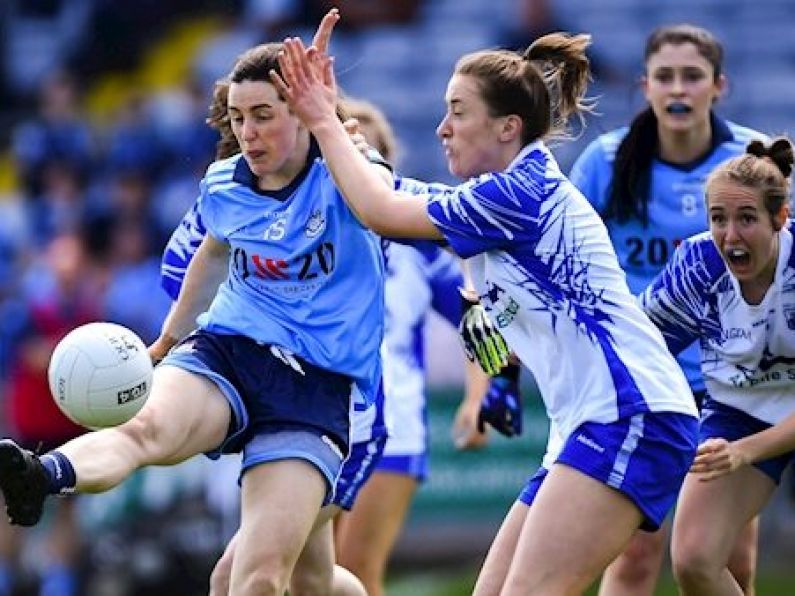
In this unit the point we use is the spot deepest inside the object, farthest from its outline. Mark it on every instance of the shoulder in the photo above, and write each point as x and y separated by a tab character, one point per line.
738	137
220	174
606	145
698	253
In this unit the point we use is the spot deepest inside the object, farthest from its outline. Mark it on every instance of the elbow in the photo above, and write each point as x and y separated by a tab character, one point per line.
375	222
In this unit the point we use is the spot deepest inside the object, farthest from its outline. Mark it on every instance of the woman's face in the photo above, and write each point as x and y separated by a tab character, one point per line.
272	140
470	137
680	86
744	231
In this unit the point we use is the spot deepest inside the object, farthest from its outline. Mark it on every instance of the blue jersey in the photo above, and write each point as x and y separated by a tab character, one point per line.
747	350
676	208
303	273
547	274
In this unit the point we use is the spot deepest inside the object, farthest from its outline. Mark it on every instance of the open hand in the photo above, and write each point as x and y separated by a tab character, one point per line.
307	83
716	458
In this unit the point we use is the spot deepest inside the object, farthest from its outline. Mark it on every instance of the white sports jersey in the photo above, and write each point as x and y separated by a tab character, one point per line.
747	351
546	272
417	279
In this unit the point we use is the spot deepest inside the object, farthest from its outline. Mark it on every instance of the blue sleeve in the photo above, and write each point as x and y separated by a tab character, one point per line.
445	279
496	210
179	251
678	300
592	174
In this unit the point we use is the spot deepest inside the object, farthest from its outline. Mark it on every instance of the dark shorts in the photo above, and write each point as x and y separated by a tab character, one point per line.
265	393
721	421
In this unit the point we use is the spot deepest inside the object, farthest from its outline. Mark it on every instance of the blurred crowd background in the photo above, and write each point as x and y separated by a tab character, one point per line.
102	146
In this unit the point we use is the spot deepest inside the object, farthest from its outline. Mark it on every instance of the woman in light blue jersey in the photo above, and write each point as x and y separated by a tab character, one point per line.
731	289
545	270
295	291
315	571
647	181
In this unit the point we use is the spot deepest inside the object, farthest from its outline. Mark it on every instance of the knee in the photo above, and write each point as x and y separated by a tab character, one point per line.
144	430
266	582
305	583
640	561
694	566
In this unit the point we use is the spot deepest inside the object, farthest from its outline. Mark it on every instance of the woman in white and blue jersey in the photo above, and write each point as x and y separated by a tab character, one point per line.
295	286
732	290
647	181
546	272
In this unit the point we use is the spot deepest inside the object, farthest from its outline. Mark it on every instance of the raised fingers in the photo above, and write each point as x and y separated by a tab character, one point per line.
324	30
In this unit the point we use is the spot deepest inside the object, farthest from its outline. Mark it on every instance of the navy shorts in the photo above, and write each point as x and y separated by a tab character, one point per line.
721	421
265	393
357	469
646	457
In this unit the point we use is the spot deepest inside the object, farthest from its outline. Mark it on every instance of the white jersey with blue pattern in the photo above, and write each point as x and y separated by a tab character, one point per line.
420	278
747	350
676	208
303	273
548	276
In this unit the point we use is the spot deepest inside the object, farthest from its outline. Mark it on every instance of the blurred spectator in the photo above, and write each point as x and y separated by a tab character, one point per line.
535	18
133	143
132	298
40	36
60	206
61	299
120	31
58	132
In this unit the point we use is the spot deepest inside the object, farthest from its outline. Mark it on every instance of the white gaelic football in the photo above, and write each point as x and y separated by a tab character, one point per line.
100	374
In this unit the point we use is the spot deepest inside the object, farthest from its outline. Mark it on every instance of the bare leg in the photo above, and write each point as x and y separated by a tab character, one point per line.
185	414
635	571
280	502
742	561
575	528
710	516
498	560
368	533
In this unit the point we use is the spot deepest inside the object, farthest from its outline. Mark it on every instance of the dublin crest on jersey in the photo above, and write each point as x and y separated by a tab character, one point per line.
315	224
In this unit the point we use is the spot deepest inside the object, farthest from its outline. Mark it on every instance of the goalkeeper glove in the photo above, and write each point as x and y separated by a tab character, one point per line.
501	407
480	339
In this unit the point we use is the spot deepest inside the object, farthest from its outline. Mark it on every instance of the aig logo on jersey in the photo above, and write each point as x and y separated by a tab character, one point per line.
316	224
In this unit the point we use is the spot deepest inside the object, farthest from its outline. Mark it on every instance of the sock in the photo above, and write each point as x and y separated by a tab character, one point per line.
58	580
60	472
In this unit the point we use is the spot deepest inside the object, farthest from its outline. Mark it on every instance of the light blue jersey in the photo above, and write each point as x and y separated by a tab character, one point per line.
676	208
303	273
547	274
747	350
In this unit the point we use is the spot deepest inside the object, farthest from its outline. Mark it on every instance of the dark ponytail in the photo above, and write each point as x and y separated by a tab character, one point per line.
628	195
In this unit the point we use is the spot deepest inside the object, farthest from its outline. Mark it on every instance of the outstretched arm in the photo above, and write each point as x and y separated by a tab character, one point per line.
310	89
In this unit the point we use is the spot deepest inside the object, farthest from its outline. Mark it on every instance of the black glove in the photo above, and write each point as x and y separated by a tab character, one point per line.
501	407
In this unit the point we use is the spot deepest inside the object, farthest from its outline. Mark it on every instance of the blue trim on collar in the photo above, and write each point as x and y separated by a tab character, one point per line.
243	175
721	133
